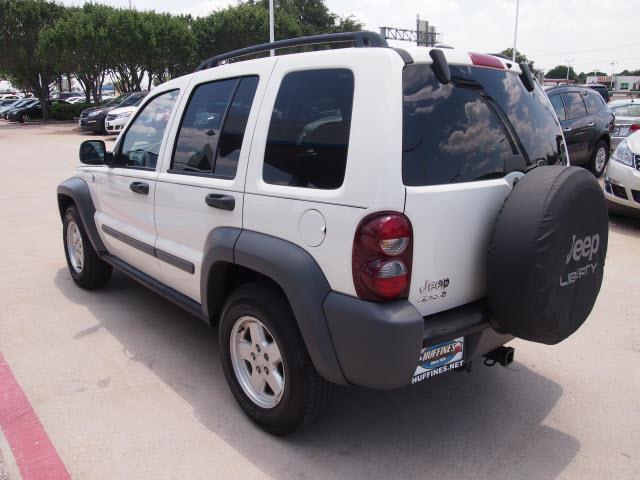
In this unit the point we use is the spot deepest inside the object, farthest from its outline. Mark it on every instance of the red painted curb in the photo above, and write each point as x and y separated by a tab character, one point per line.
35	455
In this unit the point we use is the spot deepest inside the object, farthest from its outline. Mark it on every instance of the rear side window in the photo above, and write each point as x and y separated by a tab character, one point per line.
308	137
213	126
558	106
594	102
574	105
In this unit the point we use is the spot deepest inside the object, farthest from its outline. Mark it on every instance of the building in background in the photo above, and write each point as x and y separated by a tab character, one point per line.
617	82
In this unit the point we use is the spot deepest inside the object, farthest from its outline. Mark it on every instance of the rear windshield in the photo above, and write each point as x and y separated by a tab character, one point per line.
476	127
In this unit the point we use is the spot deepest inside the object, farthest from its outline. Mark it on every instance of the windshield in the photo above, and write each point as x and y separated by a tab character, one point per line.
631	110
114	101
6	103
475	127
131	100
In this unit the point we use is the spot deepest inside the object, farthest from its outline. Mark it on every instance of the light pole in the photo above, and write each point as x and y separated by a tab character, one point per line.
271	27
569	60
515	33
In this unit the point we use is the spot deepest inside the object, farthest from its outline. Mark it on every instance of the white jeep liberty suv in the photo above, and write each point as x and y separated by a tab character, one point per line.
356	216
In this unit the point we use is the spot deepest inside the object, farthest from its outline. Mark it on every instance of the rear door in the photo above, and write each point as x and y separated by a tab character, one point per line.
462	143
578	127
200	186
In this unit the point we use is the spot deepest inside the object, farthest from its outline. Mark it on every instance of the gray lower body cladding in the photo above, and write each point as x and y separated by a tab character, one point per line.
378	344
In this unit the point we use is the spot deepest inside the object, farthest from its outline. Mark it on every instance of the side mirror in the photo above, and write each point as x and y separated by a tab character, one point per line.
94	152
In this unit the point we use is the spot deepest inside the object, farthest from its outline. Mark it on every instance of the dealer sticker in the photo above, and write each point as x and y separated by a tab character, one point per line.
440	358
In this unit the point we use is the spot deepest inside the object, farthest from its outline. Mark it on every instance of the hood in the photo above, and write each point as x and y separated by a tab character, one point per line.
120	110
96	109
623	120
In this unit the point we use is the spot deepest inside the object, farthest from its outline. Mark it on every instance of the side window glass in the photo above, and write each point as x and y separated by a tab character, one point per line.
200	129
141	143
234	126
574	105
558	106
594	102
308	137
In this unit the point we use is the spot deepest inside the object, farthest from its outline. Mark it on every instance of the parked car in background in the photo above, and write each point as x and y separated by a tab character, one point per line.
65	95
20	104
587	125
80	99
9	96
601	89
627	113
29	112
94	118
622	179
118	117
7	104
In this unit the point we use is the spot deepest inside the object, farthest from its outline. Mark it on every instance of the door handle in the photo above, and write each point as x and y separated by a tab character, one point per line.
567	129
140	187
591	124
223	202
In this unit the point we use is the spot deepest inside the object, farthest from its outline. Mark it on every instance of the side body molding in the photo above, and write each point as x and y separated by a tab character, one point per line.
77	190
292	268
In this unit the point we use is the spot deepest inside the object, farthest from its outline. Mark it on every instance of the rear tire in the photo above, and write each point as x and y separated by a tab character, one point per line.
87	269
304	396
599	158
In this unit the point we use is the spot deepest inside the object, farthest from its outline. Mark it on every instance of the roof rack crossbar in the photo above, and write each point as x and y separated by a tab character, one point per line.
360	40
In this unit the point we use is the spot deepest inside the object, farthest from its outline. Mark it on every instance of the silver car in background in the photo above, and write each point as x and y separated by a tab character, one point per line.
627	121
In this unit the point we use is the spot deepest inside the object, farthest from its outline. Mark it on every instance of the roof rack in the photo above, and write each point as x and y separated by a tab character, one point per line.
359	39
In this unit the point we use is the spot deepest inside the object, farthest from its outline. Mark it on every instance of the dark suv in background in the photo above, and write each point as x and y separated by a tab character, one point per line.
587	124
601	89
93	118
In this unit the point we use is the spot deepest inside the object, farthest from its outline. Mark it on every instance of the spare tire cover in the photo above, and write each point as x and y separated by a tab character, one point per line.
547	253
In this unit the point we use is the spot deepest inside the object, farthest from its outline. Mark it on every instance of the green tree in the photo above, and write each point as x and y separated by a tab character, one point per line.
172	50
20	24
561	72
520	58
248	24
80	44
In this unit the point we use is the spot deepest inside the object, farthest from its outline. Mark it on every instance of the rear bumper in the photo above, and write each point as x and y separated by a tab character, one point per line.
378	344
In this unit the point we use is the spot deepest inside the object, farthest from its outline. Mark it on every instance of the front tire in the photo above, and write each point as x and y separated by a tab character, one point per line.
266	362
86	268
599	158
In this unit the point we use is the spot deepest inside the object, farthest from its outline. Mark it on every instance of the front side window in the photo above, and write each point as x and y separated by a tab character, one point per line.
213	126
574	105
308	139
140	146
558	106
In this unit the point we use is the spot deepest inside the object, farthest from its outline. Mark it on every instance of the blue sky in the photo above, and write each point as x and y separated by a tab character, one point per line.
591	33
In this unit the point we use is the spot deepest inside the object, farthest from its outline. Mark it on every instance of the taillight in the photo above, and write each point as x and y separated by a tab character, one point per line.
634	127
482	60
382	254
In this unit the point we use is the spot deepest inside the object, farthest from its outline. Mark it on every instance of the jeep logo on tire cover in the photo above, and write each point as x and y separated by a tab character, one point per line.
581	248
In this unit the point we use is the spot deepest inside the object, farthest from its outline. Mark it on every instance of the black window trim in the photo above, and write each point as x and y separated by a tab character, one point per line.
123	136
222	125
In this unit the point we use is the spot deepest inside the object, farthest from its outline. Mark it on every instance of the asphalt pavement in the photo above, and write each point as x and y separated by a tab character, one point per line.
128	386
